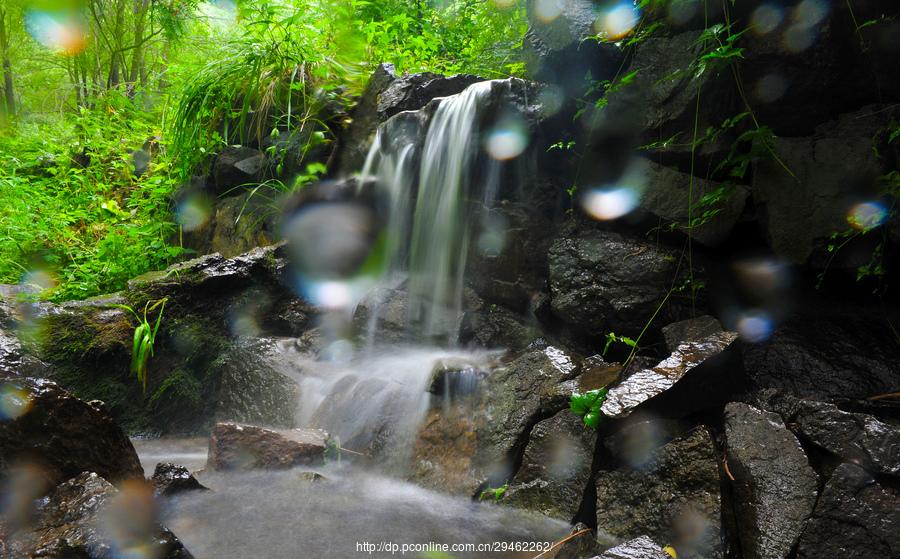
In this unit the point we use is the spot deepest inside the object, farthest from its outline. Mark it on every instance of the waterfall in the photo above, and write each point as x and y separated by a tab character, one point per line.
428	243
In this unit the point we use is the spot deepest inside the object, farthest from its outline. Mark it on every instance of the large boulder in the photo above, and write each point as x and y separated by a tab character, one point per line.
233	446
236	167
170	479
826	174
556	467
602	281
250	389
679	199
774	486
490	430
856	517
639	548
59	434
855	437
87	517
672	495
690	330
825	356
695	376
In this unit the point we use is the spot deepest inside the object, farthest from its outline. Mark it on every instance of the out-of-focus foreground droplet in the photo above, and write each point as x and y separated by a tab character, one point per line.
193	211
507	139
59	25
766	18
618	21
15	401
618	199
867	215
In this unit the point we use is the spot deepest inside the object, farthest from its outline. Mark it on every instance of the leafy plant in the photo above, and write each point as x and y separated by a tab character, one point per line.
612	338
587	406
494	493
144	338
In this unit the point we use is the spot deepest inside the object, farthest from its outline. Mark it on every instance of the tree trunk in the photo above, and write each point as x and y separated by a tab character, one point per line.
8	109
137	58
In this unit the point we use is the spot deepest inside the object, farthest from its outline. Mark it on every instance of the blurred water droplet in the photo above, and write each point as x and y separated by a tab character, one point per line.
492	239
551	100
38	280
507	139
503	4
755	326
798	38
618	21
15	401
245	325
548	10
681	11
609	203
766	19
63	31
809	13
770	88
867	215
193	211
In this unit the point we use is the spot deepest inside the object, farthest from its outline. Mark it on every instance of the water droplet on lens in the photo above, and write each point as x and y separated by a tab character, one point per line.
755	326
548	10
770	88
766	19
508	139
867	216
617	21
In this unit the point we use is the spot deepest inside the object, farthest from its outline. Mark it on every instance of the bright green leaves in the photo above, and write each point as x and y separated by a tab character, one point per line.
587	406
494	493
144	339
612	338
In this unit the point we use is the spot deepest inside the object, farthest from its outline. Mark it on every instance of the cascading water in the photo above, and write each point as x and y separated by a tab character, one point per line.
429	246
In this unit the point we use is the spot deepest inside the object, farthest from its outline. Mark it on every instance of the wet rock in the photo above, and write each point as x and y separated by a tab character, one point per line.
774	485
666	196
386	95
661	100
582	544
855	518
508	260
638	548
855	437
311	477
62	435
825	357
832	170
236	224
243	447
387	309
559	50
169	479
597	373
474	444
251	390
556	467
86	517
673	497
497	327
451	380
234	167
698	364
602	281
690	330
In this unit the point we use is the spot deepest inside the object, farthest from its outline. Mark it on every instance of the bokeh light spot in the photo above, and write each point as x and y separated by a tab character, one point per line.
15	401
766	19
617	21
770	88
610	203
798	38
548	10
193	211
507	140
755	326
867	216
62	31
809	13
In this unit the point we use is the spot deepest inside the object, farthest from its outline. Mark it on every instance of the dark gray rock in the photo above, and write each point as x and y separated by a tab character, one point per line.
825	357
61	434
87	518
497	327
234	167
832	170
855	437
690	330
667	193
673	497
688	359
233	446
661	101
251	390
602	281
638	548
169	479
774	485
357	138
414	91
556	467
855	518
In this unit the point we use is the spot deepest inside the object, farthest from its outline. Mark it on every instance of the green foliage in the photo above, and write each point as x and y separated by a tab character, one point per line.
144	340
587	406
494	493
612	338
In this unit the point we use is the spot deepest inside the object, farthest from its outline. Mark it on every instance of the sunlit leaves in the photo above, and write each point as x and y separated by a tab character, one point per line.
587	406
